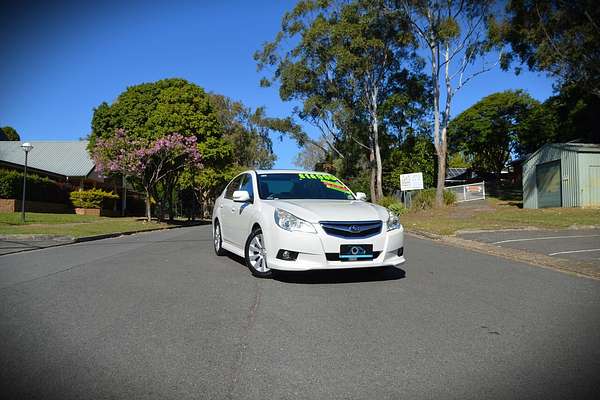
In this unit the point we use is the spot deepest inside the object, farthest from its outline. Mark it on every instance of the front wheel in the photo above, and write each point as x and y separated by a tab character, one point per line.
218	239
256	255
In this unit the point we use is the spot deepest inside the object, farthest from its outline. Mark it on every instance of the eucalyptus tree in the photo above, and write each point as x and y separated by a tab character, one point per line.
343	64
459	37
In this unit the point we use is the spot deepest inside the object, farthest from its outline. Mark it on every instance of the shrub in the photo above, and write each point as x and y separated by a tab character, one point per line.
397	208
387	201
92	198
38	188
425	199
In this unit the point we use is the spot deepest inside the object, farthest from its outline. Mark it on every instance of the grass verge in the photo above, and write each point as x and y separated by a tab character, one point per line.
494	214
73	225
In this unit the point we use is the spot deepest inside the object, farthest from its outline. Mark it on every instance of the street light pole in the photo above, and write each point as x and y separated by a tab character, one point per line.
26	148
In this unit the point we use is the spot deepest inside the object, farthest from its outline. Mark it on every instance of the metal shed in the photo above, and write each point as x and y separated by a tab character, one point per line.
562	175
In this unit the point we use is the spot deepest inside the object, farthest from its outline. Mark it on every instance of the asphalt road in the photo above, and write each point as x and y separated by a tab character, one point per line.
158	315
579	244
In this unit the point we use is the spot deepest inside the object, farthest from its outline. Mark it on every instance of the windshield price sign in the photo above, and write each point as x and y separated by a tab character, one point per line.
411	181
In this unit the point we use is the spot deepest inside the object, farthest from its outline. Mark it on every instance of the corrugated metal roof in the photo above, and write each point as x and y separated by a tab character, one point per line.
68	158
578	147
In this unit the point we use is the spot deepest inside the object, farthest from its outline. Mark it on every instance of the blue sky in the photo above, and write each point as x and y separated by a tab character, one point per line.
61	59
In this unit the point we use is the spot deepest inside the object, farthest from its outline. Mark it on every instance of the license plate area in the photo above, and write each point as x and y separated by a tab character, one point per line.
356	252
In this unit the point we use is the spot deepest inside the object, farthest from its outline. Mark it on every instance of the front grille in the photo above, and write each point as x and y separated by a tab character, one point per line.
352	230
336	256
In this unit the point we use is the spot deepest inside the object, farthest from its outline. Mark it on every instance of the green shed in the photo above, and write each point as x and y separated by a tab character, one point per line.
562	175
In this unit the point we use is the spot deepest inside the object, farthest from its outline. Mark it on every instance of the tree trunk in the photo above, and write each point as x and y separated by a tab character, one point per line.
373	176
441	179
378	163
148	209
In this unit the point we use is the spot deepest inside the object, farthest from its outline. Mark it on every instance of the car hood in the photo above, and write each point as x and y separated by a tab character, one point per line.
333	210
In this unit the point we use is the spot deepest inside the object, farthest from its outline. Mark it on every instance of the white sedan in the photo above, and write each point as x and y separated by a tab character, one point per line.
298	221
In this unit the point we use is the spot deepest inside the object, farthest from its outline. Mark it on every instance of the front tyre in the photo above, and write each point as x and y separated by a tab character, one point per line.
218	239
256	255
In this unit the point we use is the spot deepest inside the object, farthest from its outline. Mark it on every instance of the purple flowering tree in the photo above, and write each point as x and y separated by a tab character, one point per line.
149	162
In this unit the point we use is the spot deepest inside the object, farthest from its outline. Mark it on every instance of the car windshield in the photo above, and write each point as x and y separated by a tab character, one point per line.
302	186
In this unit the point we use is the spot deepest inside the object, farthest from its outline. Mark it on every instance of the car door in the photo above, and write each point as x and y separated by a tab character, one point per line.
242	213
227	207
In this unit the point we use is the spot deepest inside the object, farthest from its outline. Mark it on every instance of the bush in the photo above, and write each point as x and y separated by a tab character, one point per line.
425	199
387	201
393	205
397	208
38	188
92	198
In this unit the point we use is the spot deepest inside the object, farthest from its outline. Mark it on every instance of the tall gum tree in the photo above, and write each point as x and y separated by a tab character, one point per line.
344	60
459	37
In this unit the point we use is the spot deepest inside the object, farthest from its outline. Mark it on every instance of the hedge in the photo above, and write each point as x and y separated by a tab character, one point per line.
92	198
38	188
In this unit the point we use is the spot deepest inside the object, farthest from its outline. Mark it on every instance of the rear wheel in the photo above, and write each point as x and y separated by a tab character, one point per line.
218	239
256	255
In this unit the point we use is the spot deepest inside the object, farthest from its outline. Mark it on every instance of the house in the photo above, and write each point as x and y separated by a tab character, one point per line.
562	175
67	163
62	161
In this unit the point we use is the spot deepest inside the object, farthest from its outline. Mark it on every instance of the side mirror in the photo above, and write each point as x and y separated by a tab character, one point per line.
241	196
360	196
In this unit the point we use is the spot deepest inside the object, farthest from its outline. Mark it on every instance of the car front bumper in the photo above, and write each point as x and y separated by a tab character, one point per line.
312	249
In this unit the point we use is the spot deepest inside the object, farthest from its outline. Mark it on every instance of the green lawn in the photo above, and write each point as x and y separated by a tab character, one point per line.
496	214
71	224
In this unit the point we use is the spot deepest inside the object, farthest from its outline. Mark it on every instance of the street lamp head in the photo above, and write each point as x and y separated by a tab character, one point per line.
27	147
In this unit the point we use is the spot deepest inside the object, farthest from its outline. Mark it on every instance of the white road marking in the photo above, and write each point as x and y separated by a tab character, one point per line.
545	238
574	251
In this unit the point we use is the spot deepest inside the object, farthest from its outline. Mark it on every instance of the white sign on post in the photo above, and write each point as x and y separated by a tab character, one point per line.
411	181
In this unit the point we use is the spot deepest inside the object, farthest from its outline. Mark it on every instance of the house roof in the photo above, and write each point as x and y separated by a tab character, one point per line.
578	147
67	158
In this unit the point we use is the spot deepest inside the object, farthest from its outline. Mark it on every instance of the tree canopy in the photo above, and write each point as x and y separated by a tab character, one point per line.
557	36
9	133
488	132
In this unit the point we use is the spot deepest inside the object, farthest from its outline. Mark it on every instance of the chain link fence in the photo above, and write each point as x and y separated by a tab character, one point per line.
469	192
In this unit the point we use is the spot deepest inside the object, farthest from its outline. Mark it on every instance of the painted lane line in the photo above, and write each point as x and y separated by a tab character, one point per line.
573	251
545	238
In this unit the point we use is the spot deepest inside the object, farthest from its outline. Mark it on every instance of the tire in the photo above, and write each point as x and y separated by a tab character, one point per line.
256	259
218	240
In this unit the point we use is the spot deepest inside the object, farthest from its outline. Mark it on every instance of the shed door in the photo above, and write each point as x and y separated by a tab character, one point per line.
547	178
594	185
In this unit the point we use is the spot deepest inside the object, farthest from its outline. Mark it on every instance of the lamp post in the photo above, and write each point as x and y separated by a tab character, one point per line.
26	148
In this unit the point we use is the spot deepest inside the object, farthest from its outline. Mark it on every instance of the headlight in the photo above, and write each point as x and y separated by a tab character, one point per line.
393	221
290	222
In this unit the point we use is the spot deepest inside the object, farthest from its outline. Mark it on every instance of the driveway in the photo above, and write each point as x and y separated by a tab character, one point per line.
579	244
159	316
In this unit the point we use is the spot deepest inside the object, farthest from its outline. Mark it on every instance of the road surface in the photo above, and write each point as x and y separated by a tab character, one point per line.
159	316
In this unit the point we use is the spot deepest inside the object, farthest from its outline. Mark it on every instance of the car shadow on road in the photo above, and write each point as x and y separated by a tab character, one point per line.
341	275
335	275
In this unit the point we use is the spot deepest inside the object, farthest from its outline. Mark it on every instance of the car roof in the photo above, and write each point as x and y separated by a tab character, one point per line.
287	171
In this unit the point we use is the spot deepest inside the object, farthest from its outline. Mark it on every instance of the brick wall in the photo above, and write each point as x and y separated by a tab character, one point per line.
12	205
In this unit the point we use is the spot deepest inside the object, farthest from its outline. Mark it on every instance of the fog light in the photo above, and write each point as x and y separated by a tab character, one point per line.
400	251
287	255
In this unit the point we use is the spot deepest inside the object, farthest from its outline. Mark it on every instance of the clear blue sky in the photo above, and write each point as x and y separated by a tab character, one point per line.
63	58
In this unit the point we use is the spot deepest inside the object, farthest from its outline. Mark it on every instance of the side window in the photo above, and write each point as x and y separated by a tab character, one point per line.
247	185
233	186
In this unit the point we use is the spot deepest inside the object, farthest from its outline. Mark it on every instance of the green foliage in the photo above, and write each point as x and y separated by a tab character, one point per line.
458	160
387	201
92	198
38	188
488	132
153	110
246	130
425	199
397	208
560	37
415	154
9	133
